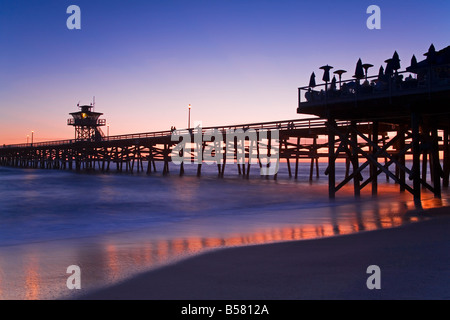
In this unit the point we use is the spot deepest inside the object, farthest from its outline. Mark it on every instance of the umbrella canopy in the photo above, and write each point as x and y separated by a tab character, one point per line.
395	61
312	80
431	55
326	72
359	72
389	68
333	83
413	62
413	66
381	73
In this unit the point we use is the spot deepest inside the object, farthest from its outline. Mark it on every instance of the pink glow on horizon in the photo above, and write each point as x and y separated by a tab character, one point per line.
234	62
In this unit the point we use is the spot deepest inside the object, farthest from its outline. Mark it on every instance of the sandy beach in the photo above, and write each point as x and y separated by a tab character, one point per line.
413	259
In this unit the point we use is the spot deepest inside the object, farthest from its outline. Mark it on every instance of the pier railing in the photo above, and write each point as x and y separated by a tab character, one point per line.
376	87
296	124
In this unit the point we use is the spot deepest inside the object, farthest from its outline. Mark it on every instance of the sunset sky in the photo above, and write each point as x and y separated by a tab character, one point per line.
234	61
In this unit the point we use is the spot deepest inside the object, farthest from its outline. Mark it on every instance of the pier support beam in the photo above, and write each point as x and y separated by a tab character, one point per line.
435	161
373	167
297	156
445	180
415	121
331	124
355	161
401	157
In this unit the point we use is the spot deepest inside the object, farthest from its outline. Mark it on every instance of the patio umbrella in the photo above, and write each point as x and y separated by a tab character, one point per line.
413	62
395	61
326	72
333	83
312	80
389	69
359	72
413	66
431	55
381	73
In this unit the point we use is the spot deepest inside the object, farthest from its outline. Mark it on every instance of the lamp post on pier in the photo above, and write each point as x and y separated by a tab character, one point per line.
189	117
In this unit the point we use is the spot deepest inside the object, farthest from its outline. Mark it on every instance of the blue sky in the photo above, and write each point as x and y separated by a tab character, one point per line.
233	61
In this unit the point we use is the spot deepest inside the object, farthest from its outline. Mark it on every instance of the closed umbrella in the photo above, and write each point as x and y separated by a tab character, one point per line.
431	55
431	60
381	73
413	67
333	83
326	72
413	62
359	72
395	61
312	80
389	68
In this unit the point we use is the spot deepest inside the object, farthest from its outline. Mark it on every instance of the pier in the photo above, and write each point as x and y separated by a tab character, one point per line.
417	107
389	124
299	140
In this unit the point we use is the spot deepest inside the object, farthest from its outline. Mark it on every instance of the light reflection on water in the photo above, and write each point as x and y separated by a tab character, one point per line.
115	257
38	270
32	278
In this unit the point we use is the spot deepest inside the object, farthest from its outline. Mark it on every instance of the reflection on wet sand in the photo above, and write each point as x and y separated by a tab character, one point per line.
113	263
155	253
106	261
32	278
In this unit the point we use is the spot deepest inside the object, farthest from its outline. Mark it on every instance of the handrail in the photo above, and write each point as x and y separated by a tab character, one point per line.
295	124
394	86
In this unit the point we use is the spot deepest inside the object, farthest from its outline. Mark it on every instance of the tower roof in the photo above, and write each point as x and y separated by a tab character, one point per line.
86	109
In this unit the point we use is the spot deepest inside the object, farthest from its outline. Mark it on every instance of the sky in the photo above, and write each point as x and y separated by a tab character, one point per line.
234	61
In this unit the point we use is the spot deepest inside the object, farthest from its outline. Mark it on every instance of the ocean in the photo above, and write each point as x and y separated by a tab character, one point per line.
114	226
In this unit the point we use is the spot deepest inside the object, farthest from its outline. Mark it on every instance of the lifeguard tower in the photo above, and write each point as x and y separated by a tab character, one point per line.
87	124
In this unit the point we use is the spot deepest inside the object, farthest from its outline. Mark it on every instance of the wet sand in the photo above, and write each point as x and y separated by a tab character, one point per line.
414	260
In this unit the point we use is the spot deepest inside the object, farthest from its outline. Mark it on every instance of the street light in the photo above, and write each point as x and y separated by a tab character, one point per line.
32	137
189	117
107	131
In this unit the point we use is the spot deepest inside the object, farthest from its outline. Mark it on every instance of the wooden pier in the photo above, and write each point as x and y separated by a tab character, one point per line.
299	139
417	108
388	127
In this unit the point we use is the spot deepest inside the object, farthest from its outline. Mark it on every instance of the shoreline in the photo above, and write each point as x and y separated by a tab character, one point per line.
413	259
